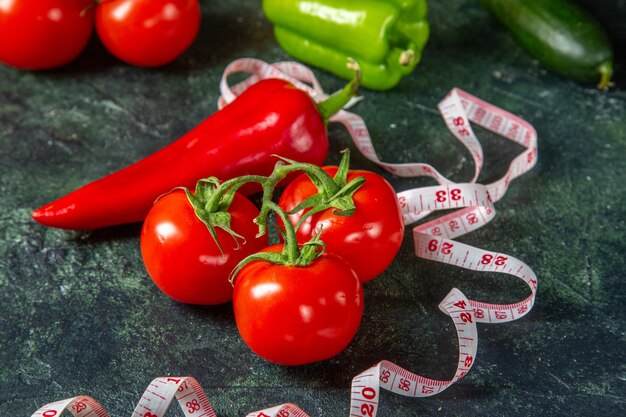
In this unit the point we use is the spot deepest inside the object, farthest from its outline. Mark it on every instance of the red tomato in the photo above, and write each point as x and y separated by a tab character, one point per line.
182	257
369	239
42	34
147	33
292	315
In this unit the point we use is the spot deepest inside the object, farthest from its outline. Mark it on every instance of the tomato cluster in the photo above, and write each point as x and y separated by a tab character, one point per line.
44	34
297	302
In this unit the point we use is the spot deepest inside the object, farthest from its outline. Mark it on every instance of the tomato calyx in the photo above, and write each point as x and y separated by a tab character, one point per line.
211	200
214	214
333	192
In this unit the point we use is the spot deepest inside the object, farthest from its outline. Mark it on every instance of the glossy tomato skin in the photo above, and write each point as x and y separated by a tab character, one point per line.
369	239
43	34
296	315
147	33
181	256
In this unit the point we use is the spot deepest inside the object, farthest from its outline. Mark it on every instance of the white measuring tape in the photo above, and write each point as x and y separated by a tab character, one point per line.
433	241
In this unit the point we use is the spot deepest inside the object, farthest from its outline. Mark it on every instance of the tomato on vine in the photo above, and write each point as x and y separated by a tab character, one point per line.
296	305
191	242
293	315
356	211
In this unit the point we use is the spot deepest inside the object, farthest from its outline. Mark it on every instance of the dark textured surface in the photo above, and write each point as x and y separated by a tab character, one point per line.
78	314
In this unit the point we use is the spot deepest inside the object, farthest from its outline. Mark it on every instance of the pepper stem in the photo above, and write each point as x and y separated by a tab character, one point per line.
606	72
338	100
406	57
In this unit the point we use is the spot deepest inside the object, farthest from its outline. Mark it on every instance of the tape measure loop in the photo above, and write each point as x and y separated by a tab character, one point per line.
80	406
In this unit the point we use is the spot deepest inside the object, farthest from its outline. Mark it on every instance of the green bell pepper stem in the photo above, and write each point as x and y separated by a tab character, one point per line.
606	72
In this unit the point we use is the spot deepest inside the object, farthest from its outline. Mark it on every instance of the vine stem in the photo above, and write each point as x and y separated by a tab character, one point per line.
212	198
230	187
290	248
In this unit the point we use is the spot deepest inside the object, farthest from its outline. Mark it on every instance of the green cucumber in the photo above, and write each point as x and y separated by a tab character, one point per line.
560	35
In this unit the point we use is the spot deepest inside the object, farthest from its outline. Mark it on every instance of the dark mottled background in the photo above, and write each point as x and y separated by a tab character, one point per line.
78	314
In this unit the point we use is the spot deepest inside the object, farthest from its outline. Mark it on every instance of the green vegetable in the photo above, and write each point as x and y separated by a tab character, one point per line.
386	37
560	35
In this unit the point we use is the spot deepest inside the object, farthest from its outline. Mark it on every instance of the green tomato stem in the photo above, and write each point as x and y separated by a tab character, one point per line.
212	199
335	192
218	200
290	248
324	182
292	254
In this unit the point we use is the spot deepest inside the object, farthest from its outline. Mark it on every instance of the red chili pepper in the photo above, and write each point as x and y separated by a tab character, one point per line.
272	117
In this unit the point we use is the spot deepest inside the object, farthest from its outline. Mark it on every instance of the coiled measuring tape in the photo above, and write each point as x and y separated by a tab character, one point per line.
433	241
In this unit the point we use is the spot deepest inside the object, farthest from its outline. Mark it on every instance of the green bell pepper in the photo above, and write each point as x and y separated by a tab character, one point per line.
386	37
